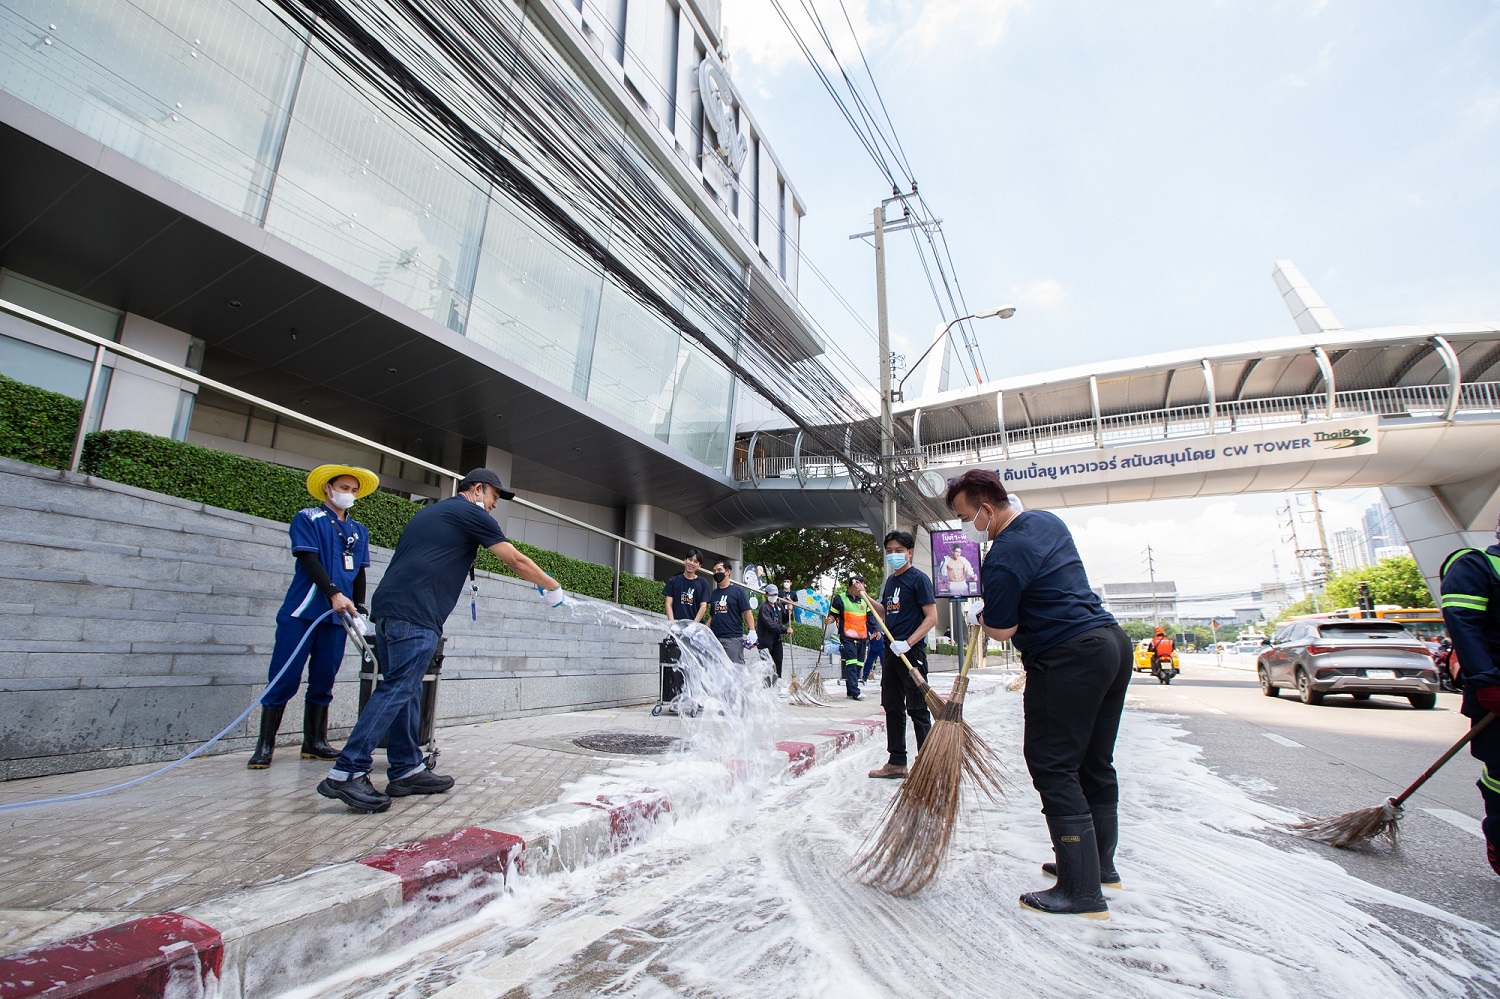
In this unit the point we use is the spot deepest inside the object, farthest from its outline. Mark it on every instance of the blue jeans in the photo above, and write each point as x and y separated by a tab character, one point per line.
394	709
325	647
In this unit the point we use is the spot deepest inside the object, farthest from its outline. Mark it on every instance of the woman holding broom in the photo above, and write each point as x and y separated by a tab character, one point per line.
1078	664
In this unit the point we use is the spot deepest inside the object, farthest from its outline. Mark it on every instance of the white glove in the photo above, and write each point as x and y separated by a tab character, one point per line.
900	648
972	612
362	625
553	598
749	641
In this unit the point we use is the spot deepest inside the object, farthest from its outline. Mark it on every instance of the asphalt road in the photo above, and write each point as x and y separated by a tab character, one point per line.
1338	756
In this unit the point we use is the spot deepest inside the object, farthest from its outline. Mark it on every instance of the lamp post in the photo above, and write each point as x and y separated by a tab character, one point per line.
1003	312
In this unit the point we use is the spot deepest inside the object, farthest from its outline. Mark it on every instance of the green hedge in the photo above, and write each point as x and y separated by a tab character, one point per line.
37	426
262	489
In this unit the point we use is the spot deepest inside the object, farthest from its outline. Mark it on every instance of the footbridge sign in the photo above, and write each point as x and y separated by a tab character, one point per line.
1298	443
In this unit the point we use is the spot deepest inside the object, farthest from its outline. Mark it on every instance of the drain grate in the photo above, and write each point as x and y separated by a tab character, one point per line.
627	743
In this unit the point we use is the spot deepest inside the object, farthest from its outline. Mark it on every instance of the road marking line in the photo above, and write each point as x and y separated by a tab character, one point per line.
1467	823
1282	740
1213	711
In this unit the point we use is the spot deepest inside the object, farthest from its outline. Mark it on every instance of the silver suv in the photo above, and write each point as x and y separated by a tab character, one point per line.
1317	658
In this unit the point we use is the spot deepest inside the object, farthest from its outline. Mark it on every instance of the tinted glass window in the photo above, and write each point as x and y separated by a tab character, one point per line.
1366	630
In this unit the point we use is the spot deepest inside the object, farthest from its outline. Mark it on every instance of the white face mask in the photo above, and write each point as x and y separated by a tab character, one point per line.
974	532
342	501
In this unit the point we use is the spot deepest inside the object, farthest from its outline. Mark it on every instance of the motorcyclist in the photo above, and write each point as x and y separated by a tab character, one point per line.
1161	649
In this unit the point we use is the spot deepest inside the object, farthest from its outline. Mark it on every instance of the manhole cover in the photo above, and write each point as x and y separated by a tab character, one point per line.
631	743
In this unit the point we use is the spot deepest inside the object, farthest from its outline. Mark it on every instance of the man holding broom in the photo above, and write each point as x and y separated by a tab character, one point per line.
909	608
1471	610
1078	664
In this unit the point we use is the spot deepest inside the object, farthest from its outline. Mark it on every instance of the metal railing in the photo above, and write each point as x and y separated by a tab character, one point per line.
1194	421
102	347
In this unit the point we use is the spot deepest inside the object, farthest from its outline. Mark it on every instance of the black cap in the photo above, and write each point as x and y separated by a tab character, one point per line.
854	575
487	477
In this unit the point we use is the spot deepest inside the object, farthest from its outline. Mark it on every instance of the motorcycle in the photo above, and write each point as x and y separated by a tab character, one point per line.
1446	660
1163	669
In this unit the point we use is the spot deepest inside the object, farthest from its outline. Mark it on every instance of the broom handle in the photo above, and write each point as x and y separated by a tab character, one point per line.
1460	744
889	638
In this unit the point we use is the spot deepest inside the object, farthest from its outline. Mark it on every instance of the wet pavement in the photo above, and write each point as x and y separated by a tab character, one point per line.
212	827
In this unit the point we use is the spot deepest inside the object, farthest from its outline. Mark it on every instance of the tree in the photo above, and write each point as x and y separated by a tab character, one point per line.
805	555
1307	605
1137	630
1395	580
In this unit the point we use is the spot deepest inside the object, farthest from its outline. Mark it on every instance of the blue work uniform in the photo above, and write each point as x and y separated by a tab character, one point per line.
343	548
905	596
1471	610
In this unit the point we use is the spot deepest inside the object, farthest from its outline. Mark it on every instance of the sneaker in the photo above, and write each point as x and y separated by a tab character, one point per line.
856	696
356	792
890	771
424	781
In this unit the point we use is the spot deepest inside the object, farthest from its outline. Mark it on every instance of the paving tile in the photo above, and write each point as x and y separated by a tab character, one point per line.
212	826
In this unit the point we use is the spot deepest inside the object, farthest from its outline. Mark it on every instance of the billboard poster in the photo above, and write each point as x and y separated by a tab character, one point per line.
955	565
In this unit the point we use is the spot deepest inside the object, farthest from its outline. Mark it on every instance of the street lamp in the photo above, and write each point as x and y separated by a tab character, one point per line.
1003	312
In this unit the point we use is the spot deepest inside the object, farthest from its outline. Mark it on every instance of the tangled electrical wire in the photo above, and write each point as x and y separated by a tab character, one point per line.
475	78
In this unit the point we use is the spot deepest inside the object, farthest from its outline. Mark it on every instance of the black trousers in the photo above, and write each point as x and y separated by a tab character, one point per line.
900	697
1075	693
1485	748
775	650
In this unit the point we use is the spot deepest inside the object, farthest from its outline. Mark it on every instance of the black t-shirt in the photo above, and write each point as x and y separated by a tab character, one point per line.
1033	581
686	594
904	597
426	575
726	611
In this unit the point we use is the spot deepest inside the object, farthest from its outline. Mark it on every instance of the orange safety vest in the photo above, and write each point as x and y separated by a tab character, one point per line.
856	617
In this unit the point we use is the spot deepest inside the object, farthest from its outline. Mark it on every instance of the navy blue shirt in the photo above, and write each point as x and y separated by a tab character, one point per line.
1033	581
686	594
904	596
1471	610
426	575
726	611
318	531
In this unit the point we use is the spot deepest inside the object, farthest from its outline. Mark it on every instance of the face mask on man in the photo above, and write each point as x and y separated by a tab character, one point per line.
341	501
975	533
895	561
718	577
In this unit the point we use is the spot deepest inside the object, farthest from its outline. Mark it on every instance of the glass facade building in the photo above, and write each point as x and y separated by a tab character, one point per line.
233	102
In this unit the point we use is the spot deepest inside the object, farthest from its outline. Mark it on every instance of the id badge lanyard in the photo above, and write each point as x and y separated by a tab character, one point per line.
473	594
349	540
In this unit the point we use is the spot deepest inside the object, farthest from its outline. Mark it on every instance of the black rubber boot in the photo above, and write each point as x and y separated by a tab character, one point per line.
315	733
1107	833
1077	890
265	745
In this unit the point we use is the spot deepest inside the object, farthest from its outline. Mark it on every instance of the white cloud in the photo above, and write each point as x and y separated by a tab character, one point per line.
1046	293
754	31
1485	107
941	21
1296	81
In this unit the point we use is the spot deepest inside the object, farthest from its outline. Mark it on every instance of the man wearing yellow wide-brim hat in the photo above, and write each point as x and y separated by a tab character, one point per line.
332	551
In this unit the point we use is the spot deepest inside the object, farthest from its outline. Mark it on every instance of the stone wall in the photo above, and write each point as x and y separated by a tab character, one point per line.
133	626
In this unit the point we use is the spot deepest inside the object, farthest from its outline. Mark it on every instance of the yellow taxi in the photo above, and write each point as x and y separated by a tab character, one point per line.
1143	657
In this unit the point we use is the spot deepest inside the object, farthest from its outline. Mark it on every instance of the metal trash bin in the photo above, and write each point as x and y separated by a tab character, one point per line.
669	656
370	675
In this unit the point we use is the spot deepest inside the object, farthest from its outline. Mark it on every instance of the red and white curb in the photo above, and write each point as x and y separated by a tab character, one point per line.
260	941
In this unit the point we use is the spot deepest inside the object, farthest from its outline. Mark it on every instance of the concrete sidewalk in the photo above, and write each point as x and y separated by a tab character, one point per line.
212	857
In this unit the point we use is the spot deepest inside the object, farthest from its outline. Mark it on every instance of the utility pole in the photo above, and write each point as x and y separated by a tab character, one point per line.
1151	571
887	426
1322	538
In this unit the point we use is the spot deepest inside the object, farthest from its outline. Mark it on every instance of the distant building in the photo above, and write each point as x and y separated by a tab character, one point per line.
1392	551
1380	530
1140	601
1348	549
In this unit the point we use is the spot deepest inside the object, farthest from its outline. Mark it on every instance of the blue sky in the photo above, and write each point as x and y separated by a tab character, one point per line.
1127	175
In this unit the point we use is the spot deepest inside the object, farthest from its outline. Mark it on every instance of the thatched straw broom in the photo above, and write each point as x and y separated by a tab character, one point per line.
904	855
1365	824
796	691
1019	683
813	682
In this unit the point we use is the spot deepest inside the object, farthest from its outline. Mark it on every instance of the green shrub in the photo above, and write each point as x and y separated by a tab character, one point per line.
263	489
37	426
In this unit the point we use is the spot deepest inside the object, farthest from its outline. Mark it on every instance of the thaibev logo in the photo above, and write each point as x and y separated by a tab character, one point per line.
1340	439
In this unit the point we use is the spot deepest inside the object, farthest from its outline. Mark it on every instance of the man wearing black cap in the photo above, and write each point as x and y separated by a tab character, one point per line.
418	592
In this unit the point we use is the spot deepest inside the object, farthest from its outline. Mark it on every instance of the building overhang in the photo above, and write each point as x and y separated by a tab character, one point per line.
82	217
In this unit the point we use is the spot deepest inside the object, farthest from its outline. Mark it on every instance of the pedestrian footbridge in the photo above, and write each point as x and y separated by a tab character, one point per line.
1412	410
